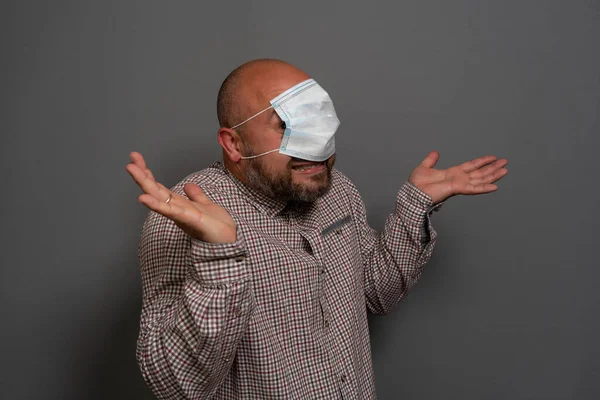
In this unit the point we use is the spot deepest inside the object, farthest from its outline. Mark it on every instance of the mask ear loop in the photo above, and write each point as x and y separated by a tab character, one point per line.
255	115
242	123
260	155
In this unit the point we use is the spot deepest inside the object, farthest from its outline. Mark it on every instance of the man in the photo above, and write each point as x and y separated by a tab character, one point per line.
258	273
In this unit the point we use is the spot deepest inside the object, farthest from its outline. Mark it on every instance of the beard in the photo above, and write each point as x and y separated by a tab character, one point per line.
280	184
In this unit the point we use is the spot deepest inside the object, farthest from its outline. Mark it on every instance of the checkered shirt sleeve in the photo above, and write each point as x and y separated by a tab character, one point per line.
394	259
195	315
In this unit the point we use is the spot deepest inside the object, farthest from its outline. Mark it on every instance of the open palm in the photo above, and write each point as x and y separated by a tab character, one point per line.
195	214
470	178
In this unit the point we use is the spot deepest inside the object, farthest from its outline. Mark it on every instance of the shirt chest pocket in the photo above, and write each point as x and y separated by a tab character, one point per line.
342	255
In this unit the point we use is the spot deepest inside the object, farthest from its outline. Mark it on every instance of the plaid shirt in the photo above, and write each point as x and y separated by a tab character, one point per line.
281	313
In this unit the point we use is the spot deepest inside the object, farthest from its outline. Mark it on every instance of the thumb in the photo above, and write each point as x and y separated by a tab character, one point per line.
194	193
431	159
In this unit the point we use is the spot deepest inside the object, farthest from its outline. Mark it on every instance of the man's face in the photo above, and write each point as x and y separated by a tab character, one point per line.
277	175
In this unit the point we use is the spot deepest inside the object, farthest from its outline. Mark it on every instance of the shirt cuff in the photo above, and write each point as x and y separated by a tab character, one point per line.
436	207
219	263
420	198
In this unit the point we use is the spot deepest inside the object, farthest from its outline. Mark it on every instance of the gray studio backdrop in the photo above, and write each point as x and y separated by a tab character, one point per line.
509	306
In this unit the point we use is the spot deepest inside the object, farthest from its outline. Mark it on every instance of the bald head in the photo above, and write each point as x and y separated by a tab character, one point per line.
250	87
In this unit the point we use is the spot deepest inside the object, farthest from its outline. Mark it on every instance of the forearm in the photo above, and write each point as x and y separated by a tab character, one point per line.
188	339
393	260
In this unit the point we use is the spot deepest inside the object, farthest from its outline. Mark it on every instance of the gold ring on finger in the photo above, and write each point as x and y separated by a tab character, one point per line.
169	199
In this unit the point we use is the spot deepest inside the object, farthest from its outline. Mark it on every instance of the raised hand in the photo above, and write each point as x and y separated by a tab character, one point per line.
473	177
196	215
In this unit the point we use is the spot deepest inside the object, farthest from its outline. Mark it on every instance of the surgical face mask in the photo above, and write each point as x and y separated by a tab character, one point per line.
310	122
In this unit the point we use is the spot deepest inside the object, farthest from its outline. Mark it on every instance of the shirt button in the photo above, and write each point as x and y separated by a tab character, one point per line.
343	378
326	323
240	258
338	231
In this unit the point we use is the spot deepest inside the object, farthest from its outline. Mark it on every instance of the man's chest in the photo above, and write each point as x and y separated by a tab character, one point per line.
295	264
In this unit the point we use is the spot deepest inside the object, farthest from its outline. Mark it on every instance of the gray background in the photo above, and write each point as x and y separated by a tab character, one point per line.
507	308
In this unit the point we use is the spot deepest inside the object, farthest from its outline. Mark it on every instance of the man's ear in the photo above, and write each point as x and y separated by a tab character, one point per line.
231	143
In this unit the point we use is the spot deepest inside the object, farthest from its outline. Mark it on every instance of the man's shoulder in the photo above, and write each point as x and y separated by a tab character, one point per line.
212	180
341	182
342	190
338	175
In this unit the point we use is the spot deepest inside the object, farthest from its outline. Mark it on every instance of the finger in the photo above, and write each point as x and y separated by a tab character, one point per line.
489	176
146	183
183	214
163	188
496	176
170	210
195	194
149	173
431	159
136	173
479	189
490	172
138	160
493	167
473	165
487	188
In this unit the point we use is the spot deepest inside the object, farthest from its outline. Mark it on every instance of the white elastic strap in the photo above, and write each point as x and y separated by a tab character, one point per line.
271	151
255	115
